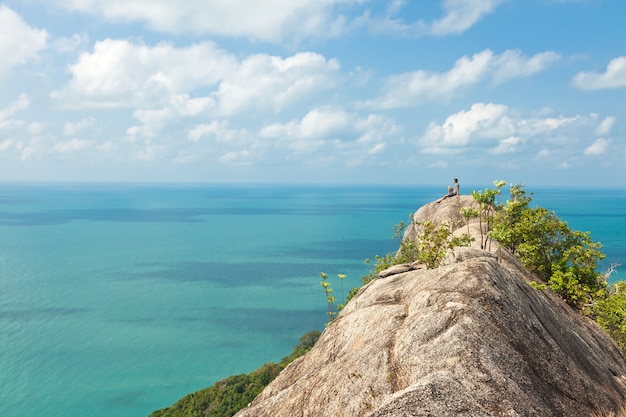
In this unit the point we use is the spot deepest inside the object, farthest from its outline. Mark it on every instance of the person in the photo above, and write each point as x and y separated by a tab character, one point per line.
452	191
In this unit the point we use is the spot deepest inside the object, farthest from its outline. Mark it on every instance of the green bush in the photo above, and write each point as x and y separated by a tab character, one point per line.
610	313
565	259
435	241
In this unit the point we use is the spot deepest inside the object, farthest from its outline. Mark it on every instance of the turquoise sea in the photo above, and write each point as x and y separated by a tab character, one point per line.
117	300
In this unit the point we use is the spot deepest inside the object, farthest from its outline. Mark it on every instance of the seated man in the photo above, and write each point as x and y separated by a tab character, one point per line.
451	191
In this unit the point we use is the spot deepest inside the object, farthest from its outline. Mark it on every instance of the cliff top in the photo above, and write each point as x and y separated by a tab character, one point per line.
470	338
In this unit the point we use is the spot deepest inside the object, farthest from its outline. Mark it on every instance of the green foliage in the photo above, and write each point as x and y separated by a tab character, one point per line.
566	259
331	299
468	214
486	200
610	313
407	253
228	396
435	241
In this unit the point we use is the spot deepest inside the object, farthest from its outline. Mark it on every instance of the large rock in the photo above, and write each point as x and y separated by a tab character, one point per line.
471	338
447	211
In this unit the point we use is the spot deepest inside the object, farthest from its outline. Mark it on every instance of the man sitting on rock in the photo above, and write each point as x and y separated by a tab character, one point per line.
451	191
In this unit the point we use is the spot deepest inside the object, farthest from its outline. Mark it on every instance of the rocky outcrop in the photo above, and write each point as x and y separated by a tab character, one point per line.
447	211
471	338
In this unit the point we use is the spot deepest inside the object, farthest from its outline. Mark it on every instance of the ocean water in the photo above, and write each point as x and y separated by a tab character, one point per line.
117	300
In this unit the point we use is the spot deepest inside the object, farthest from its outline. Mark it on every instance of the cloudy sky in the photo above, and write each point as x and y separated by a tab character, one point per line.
314	91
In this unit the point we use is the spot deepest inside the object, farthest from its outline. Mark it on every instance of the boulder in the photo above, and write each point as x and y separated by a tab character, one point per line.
470	338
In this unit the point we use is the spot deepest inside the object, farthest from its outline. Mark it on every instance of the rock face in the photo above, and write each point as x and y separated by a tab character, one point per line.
471	338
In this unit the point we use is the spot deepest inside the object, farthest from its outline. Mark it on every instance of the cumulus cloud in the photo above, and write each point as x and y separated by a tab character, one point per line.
120	73
598	147
606	126
513	64
508	145
269	20
460	15
484	121
613	77
499	130
269	82
413	87
179	107
166	82
335	128
19	42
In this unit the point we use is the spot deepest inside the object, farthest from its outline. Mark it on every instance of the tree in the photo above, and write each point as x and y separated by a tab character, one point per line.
566	259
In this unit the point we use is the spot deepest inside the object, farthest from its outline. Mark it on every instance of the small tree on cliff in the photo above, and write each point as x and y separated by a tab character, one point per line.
566	259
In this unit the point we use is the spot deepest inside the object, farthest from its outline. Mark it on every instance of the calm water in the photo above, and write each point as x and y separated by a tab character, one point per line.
118	300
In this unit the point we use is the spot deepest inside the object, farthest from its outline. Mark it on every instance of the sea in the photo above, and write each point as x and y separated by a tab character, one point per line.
119	299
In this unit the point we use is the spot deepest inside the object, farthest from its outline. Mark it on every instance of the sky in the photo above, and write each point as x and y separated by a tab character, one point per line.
314	91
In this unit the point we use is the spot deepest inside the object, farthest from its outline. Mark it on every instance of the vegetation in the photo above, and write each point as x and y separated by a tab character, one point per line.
610	311
434	242
228	396
565	260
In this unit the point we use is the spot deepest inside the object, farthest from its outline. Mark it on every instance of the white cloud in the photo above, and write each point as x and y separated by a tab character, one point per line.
512	64
413	87
598	147
481	121
154	121
160	80
269	20
119	73
6	114
460	15
494	127
28	152
72	145
71	128
613	77
606	126
19	43
22	103
6	144
334	129
508	145
243	157
219	131
272	83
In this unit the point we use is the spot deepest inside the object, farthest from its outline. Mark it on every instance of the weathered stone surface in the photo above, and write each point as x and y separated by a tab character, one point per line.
398	269
471	338
448	211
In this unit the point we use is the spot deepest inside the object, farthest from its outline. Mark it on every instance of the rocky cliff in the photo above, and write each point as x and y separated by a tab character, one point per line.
470	338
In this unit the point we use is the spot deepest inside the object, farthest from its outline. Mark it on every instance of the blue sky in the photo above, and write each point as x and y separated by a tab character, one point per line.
314	91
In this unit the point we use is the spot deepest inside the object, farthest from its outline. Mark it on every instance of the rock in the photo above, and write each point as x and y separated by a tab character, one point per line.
470	338
398	269
447	211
